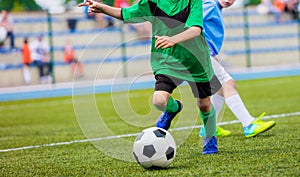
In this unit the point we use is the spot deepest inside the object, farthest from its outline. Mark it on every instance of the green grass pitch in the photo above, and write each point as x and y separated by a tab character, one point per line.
53	133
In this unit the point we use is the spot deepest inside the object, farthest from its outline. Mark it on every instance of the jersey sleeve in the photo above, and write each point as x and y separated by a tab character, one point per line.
136	13
195	17
209	9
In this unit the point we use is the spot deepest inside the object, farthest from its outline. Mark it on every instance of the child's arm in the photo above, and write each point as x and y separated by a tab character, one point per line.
166	41
96	7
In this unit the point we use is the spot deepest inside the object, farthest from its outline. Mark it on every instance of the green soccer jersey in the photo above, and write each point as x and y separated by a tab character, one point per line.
188	60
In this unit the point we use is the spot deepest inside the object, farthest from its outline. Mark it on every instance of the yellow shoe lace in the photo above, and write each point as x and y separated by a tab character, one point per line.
258	119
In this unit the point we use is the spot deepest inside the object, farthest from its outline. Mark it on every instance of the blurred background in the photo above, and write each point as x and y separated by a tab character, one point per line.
259	36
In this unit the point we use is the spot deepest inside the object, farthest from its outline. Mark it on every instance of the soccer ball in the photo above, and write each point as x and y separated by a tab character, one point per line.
154	148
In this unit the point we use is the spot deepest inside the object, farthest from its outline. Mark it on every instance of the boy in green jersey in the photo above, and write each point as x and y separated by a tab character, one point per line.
179	53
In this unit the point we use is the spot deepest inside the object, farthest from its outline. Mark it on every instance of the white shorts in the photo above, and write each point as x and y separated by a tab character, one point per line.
3	34
220	72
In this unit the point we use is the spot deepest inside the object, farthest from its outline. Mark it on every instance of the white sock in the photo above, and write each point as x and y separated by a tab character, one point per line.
238	108
27	77
218	102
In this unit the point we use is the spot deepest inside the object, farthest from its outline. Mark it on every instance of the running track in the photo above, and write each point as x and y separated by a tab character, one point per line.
66	89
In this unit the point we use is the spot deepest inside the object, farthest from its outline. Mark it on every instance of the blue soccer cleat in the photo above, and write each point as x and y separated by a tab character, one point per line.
210	145
165	119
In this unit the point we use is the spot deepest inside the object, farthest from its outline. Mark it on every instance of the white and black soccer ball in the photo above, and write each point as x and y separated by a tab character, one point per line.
154	148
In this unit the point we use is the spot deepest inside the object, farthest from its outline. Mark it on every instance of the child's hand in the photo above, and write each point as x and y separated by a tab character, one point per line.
163	42
86	3
94	7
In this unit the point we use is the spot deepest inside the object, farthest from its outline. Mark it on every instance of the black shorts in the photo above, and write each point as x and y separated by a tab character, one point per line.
27	64
200	90
74	60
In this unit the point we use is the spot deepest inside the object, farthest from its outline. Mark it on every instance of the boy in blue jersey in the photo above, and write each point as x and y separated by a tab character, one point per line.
214	35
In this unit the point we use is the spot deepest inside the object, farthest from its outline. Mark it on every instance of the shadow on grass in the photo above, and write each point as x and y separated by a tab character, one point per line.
173	167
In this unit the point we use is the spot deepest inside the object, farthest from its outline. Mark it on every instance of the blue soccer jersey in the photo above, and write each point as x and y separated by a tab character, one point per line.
213	26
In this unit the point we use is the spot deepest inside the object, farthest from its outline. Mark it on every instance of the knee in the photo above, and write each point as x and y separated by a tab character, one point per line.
229	88
230	84
205	104
205	107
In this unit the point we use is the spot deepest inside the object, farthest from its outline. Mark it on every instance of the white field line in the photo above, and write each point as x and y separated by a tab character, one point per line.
135	134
